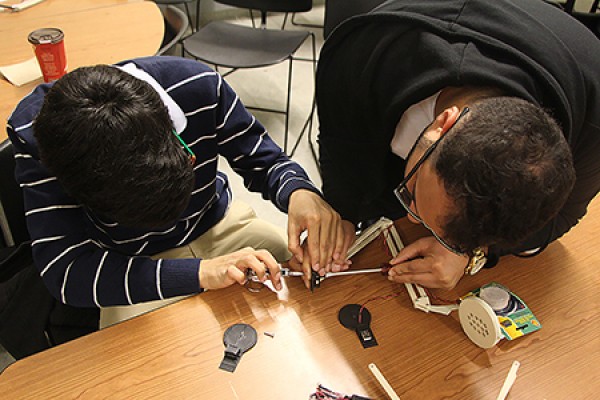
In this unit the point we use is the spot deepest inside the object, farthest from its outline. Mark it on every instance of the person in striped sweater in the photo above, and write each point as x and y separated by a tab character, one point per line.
124	201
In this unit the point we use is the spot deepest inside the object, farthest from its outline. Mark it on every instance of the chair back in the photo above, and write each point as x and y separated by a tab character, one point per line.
271	5
337	11
176	24
12	214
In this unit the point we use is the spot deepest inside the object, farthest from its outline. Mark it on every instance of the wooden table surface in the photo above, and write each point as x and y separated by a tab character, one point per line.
96	32
175	352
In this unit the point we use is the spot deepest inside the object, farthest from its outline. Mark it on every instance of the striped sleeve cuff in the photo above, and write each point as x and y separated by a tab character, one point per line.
283	196
180	277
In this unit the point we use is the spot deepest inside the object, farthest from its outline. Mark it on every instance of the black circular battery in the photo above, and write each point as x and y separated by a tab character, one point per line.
348	316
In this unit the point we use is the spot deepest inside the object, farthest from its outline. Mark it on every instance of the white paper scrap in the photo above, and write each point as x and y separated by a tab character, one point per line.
22	73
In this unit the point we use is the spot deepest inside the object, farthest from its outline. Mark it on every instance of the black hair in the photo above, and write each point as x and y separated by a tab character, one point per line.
107	137
508	169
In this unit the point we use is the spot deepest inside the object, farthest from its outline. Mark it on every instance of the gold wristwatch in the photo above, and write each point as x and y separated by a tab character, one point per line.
476	262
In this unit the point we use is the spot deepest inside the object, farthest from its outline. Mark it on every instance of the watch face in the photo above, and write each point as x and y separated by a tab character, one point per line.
476	265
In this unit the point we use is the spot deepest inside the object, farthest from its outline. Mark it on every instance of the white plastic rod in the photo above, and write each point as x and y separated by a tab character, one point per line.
352	272
383	382
508	382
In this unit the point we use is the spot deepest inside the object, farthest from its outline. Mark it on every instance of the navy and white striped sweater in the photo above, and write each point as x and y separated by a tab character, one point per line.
85	261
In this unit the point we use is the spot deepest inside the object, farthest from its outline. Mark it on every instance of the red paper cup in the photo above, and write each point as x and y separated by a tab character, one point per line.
48	44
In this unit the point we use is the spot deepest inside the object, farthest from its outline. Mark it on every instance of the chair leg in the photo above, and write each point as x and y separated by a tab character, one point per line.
187	11
197	16
308	124
314	106
569	5
287	105
307	128
285	17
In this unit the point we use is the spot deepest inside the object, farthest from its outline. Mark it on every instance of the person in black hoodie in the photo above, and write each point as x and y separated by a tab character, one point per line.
480	119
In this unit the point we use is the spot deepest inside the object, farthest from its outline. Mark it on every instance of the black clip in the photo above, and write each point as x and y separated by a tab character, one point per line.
231	358
315	280
366	336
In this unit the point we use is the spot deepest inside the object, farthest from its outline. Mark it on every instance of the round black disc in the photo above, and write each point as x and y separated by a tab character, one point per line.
348	316
241	335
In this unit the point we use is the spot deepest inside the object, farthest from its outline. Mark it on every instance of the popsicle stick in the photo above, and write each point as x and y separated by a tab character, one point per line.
508	382
383	382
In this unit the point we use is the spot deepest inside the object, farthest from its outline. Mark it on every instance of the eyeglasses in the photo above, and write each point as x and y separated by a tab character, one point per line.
406	198
192	155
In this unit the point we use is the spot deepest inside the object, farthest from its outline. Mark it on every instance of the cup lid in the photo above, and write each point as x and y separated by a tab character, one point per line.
46	35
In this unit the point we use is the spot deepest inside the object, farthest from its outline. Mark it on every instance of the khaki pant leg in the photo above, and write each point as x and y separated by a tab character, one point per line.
241	228
238	229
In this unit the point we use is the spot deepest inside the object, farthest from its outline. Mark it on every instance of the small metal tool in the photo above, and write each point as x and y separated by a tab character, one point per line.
251	275
315	279
255	285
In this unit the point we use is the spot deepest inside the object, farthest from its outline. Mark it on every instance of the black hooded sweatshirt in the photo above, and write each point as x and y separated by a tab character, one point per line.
374	66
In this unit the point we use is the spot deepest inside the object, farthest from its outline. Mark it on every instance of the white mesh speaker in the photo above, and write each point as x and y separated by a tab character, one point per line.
479	322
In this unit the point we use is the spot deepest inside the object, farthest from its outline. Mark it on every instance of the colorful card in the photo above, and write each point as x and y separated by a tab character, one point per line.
515	318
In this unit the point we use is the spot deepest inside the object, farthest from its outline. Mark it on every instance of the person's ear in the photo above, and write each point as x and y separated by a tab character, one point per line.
447	118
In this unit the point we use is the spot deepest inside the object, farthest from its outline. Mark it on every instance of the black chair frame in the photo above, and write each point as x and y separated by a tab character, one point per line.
176	25
187	10
266	6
